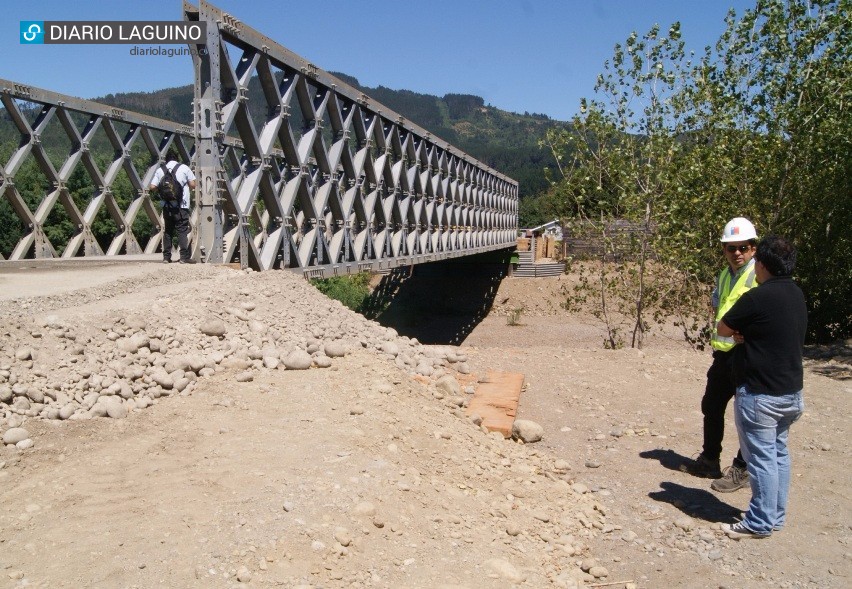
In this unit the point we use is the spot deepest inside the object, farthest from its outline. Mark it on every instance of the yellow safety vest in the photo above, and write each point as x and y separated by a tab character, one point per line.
728	295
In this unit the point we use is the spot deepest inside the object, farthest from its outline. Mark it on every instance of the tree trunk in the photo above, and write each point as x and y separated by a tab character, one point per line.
639	328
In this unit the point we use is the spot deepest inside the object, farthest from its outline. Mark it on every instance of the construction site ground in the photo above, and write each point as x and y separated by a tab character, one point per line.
313	478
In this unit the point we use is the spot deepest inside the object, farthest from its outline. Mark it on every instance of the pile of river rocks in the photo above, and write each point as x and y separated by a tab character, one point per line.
65	365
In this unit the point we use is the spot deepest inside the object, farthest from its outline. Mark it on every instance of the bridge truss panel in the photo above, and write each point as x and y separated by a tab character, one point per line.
325	180
78	179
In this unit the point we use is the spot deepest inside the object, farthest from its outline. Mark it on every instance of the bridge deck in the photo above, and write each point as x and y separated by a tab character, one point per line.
44	277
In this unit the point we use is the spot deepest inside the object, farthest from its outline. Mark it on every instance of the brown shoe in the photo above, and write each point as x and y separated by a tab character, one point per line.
733	479
702	467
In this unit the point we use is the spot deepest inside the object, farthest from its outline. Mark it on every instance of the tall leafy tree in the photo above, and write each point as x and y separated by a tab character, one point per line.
625	164
784	80
759	126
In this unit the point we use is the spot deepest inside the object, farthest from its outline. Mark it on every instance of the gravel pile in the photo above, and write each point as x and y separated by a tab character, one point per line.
439	484
86	366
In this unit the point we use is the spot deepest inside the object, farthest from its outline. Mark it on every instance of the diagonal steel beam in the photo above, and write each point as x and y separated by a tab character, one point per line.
356	183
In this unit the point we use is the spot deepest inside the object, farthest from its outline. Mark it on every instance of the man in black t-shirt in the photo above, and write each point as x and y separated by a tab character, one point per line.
771	320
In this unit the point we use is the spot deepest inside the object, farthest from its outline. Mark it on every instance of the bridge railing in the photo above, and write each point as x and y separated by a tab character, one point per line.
76	179
297	170
328	181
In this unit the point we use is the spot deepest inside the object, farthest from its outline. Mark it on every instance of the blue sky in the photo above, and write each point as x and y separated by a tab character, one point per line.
537	56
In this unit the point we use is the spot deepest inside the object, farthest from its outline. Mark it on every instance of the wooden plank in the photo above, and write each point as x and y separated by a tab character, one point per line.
496	400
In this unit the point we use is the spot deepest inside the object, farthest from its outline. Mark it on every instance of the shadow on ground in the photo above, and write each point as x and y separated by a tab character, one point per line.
439	302
832	360
694	502
667	458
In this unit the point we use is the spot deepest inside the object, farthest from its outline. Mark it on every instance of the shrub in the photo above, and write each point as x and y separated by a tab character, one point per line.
352	290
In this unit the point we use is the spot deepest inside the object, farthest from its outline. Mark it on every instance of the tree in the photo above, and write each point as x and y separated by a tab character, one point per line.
783	84
758	127
627	150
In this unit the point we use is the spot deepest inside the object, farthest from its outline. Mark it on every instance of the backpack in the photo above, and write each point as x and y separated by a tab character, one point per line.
170	190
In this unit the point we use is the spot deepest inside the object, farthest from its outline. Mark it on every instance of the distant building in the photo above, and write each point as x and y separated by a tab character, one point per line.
544	241
614	240
550	229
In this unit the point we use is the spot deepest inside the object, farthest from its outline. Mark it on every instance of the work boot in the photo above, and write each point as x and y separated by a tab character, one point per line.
702	467
733	479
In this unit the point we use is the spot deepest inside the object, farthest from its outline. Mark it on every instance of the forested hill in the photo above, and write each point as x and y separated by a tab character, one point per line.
508	142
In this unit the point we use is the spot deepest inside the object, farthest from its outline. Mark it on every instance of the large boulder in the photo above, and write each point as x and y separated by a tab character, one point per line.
14	435
527	431
298	360
214	328
335	349
448	385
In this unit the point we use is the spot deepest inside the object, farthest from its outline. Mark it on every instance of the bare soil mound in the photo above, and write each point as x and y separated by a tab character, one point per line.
192	453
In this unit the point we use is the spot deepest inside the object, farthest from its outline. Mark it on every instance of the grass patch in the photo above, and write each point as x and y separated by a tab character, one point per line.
353	291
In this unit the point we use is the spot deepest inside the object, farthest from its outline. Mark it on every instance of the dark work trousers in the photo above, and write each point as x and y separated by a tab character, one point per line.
718	392
176	219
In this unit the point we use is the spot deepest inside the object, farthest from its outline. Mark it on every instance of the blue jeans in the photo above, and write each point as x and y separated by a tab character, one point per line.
763	423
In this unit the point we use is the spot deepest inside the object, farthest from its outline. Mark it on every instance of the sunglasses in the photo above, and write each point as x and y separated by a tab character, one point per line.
737	248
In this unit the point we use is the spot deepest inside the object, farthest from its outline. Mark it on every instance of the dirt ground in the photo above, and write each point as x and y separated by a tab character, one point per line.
360	476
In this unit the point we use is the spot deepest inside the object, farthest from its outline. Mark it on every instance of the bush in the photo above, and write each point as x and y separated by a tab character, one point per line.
352	291
514	317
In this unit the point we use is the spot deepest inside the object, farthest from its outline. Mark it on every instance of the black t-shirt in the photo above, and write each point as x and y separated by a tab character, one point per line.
773	320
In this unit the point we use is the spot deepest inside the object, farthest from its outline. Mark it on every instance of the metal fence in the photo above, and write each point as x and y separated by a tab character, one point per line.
616	239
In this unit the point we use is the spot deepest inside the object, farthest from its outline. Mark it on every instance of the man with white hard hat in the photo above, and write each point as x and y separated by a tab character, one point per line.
739	239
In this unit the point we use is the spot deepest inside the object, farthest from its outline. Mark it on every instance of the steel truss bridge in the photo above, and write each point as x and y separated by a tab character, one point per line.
313	176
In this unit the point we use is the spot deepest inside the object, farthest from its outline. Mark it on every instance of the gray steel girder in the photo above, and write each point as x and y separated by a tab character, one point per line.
307	173
328	181
116	128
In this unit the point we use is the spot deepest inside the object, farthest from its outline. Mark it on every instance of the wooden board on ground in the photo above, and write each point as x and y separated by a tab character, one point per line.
496	400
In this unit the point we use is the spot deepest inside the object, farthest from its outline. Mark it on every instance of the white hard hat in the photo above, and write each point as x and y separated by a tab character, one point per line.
738	229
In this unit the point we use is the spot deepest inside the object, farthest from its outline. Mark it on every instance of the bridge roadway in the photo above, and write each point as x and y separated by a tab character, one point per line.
47	277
